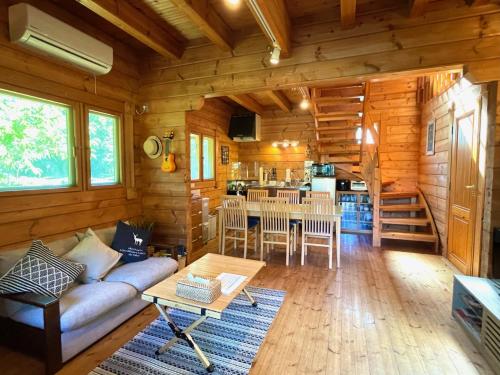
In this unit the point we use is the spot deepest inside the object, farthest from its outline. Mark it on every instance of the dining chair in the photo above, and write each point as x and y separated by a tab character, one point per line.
293	197
317	194
254	195
235	219
275	223
318	223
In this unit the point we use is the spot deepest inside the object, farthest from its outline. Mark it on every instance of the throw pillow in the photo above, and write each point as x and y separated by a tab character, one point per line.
98	258
132	242
41	272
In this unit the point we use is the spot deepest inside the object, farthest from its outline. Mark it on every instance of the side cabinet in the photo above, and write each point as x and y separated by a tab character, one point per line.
196	250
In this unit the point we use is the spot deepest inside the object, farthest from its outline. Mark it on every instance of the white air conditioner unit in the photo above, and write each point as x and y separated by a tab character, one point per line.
41	32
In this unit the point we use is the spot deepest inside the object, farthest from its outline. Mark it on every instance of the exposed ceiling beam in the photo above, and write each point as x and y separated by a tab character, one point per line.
417	7
276	20
203	15
347	13
280	99
337	116
125	16
247	102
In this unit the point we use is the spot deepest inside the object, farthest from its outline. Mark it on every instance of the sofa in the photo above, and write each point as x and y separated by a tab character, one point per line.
85	312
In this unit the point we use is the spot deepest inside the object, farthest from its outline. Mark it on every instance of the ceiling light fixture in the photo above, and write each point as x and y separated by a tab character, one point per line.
233	3
285	143
275	144
360	114
275	56
304	104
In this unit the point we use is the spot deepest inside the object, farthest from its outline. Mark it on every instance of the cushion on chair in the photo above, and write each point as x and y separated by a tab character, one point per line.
253	221
81	305
142	275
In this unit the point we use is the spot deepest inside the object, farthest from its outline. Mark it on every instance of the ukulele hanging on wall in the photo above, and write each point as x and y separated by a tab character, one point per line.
168	162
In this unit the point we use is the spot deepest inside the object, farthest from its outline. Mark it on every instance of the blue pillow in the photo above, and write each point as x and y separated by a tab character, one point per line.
131	242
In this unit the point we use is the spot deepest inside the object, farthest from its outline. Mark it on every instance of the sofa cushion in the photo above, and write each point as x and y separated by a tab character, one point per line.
144	274
97	257
105	234
81	305
41	272
132	242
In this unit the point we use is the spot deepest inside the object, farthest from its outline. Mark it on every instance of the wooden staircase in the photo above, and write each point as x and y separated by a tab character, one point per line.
406	216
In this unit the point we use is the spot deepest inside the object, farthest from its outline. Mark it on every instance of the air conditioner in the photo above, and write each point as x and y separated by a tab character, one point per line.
245	127
41	32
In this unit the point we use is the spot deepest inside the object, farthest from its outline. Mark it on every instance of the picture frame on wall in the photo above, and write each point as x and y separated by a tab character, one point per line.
431	137
224	154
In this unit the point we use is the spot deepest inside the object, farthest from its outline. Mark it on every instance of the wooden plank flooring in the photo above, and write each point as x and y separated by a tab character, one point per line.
384	312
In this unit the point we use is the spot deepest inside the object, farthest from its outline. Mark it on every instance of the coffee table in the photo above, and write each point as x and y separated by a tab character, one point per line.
164	297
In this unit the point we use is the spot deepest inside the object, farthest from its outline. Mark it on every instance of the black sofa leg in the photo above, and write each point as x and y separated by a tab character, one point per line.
53	354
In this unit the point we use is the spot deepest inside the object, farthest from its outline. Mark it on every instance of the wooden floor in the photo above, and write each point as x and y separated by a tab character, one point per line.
383	312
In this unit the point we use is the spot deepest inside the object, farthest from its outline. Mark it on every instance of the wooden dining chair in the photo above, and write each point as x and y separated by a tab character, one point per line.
275	223
254	195
318	223
235	219
293	197
317	194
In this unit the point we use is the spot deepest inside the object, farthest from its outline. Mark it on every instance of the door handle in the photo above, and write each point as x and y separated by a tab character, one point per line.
470	187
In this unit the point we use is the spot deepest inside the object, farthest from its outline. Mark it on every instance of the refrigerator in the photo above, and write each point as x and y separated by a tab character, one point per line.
324	184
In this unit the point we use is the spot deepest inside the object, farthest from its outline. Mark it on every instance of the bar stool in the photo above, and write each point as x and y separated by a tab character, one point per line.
275	222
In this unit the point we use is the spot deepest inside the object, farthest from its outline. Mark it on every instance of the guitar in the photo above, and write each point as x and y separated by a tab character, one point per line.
168	163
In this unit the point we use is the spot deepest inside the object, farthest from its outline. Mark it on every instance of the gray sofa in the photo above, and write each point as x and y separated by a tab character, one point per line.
89	311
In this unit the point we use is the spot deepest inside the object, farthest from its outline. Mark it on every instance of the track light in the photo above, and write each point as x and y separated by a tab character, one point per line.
294	143
275	55
275	144
285	144
304	104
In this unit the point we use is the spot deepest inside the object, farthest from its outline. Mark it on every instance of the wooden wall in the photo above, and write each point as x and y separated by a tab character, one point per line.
277	126
213	119
392	103
51	215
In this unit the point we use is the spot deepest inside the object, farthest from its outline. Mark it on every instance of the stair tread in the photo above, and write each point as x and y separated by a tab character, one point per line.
398	194
405	220
402	207
408	236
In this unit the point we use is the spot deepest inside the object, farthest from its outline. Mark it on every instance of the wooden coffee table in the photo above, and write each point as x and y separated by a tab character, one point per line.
164	297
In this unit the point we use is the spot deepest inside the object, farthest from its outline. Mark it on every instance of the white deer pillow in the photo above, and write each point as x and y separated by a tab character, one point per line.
131	241
98	257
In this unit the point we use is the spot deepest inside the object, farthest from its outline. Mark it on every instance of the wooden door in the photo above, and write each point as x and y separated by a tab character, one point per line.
463	189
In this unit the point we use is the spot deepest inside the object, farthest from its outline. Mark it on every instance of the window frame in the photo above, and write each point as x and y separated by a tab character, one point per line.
86	144
202	136
76	129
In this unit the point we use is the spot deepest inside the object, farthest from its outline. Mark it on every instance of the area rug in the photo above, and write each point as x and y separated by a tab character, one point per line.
231	343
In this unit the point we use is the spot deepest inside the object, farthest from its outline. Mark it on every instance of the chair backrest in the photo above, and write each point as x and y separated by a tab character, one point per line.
274	215
254	195
317	194
318	216
293	196
234	213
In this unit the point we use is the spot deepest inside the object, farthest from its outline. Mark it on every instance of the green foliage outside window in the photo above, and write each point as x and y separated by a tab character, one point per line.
36	143
104	138
208	158
195	156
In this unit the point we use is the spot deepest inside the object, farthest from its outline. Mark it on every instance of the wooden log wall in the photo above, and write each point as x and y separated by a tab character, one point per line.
449	34
53	215
392	104
277	126
213	119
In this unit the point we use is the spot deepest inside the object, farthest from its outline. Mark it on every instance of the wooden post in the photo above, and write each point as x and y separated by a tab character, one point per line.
376	208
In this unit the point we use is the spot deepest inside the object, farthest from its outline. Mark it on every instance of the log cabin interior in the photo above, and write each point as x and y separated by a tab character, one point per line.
135	134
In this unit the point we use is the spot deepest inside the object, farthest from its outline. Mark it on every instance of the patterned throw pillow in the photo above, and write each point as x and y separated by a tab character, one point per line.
41	272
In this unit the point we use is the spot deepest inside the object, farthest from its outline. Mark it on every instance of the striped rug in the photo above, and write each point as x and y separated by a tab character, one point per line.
231	343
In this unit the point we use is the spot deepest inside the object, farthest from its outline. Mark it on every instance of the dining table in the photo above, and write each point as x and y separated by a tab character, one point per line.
296	213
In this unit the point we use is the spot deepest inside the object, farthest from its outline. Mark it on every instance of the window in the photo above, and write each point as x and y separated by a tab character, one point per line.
36	143
202	149
195	157
208	158
104	142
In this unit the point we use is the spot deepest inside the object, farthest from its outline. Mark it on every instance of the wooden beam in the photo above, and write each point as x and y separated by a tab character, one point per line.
276	20
332	100
417	7
248	102
129	19
347	13
280	99
337	117
203	15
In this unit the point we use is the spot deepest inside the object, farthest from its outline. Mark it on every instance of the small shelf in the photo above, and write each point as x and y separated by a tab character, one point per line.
357	211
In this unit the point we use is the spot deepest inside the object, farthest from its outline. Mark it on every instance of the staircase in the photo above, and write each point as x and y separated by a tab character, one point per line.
338	116
406	216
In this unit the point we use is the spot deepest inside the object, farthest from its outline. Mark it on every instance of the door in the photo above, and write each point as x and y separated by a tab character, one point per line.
463	188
